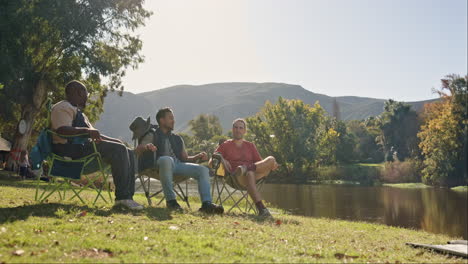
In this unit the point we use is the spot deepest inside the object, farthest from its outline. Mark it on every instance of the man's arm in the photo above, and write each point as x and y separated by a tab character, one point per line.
70	131
202	156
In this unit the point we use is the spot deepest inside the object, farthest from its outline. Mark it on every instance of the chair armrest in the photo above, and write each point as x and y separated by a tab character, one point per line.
68	136
216	160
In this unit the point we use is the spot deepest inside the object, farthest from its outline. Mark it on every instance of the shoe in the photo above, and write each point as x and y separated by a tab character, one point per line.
211	208
129	204
174	205
264	213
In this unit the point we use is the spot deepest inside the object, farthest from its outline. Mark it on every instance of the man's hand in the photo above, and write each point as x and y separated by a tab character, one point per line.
151	147
94	134
202	156
145	147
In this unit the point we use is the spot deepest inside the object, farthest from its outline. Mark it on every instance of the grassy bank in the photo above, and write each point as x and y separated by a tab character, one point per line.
415	185
460	189
71	232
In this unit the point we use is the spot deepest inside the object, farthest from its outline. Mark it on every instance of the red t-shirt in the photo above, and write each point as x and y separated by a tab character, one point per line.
246	154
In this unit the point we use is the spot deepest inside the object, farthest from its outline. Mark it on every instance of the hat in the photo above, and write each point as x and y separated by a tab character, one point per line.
139	127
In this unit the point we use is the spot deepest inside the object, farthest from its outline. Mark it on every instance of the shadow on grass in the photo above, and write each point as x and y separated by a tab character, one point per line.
50	210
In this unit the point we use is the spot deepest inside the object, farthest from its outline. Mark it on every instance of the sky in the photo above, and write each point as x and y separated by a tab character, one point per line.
398	49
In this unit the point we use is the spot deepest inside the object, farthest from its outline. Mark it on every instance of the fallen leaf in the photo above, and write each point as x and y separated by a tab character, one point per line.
278	222
173	227
236	223
18	252
83	213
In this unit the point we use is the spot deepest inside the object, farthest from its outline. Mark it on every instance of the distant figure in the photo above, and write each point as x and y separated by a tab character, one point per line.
24	166
241	158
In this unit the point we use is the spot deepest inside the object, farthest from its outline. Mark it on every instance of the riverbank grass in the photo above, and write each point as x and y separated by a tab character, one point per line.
72	232
415	185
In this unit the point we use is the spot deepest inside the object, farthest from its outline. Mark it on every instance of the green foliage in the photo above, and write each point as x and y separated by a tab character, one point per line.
366	148
204	127
45	44
398	126
347	141
296	134
444	135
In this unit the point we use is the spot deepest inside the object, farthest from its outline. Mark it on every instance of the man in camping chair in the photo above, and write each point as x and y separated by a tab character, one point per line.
67	118
243	161
172	159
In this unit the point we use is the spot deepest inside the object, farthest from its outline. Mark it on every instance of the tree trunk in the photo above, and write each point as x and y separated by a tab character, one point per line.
29	112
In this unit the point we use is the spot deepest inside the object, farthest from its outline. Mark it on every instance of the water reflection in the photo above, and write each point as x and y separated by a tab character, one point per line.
430	209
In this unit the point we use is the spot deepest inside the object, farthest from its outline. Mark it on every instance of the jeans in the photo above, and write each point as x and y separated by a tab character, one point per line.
168	167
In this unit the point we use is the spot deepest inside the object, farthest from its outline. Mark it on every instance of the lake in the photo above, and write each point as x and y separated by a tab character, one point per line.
434	210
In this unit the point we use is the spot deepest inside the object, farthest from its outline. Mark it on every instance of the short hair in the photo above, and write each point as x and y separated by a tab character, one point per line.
240	120
72	85
162	113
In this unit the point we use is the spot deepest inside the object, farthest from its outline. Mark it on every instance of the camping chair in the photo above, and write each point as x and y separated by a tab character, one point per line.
63	171
223	181
145	177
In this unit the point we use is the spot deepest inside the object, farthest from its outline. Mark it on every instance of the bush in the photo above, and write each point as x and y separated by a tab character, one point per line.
402	171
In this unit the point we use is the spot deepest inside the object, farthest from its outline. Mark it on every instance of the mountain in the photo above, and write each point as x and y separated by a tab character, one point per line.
226	100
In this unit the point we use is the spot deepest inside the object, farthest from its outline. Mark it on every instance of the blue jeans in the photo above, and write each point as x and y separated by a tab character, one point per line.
168	167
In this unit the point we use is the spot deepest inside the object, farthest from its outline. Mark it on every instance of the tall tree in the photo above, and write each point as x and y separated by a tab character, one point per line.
295	134
46	43
204	127
444	135
399	125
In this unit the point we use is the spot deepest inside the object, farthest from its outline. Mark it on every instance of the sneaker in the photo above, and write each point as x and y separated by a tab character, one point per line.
264	213
129	204
173	205
211	208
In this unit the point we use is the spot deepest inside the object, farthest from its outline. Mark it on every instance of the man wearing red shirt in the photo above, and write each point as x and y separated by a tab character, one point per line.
242	159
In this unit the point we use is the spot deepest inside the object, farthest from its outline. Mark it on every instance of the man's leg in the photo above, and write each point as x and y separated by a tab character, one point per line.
264	167
166	175
249	180
199	173
118	156
202	175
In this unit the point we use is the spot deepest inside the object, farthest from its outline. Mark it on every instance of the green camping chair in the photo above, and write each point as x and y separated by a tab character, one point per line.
145	177
63	171
225	187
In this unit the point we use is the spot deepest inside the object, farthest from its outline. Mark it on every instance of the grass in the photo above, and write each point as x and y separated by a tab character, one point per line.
72	232
415	185
460	189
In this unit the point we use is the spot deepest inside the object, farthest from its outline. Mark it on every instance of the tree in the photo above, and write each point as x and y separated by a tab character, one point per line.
346	143
46	43
444	135
292	131
336	110
204	127
366	148
398	126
